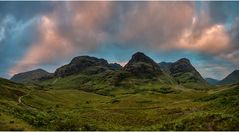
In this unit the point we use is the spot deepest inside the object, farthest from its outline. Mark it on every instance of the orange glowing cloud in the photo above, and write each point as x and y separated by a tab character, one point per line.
156	24
170	26
212	40
49	46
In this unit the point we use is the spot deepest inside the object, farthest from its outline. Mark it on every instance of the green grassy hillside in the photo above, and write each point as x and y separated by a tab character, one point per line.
10	90
10	93
61	104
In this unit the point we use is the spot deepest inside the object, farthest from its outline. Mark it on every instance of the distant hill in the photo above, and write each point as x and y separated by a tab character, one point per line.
141	65
34	75
212	81
231	78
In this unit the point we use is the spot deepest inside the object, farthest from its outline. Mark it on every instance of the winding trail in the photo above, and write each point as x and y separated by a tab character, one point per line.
20	100
55	81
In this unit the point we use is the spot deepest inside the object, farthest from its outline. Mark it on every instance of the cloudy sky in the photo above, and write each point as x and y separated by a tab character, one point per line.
49	34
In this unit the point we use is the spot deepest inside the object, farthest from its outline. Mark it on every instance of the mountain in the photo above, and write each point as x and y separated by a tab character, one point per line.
231	78
141	65
212	81
96	75
83	64
34	75
182	71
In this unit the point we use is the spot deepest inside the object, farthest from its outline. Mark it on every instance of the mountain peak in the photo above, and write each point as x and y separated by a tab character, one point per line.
184	72
184	60
139	56
38	70
142	65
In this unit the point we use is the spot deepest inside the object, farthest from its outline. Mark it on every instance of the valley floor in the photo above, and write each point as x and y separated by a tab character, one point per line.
124	109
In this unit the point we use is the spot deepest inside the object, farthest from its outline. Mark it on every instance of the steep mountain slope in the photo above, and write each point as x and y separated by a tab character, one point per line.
183	71
35	75
212	81
231	78
83	64
141	65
